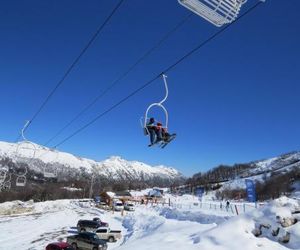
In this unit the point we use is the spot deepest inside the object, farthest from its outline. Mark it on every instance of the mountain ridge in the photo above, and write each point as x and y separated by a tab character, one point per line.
41	159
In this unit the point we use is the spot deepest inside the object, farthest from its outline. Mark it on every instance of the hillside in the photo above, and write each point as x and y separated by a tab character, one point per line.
42	162
274	176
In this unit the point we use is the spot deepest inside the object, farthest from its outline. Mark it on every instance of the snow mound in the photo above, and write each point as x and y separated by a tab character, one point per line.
277	221
29	207
141	223
16	207
239	231
195	216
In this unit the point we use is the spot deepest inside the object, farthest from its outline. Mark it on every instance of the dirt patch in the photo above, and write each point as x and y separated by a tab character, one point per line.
15	210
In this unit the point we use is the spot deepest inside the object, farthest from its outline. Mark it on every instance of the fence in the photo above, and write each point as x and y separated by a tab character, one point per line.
233	209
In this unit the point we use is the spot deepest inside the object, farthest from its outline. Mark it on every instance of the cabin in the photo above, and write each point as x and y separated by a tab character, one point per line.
155	195
109	197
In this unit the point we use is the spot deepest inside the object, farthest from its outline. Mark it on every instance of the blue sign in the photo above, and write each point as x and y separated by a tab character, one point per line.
97	199
199	191
250	188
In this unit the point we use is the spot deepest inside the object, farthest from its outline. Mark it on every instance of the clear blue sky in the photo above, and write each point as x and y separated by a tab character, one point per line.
236	100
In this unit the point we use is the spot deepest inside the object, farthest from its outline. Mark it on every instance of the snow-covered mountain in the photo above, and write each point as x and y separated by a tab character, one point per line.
41	159
282	163
263	170
233	177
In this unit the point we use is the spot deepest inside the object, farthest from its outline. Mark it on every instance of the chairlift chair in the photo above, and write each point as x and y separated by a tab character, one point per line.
2	175
49	173
160	105
6	185
26	149
218	12
24	145
21	181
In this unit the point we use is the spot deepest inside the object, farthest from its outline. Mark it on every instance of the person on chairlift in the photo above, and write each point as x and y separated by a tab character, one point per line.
154	131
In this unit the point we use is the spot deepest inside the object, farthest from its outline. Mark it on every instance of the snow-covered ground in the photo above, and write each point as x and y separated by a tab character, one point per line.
47	222
153	226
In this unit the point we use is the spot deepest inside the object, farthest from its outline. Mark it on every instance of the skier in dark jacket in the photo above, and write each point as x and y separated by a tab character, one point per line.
154	132
227	205
151	128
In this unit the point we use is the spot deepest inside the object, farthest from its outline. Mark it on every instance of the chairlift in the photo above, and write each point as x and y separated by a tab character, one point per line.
48	171
26	149
2	175
50	174
20	152
21	170
160	105
166	137
7	184
21	181
218	12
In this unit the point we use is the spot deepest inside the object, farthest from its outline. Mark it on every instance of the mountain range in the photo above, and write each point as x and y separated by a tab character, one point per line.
53	163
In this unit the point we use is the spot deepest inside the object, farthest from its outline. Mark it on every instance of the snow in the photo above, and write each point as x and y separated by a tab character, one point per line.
140	193
265	163
48	222
239	182
72	189
184	225
111	194
282	163
114	167
262	170
148	230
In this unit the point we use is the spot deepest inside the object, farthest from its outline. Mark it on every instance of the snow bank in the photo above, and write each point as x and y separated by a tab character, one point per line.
277	220
196	216
16	207
141	223
171	228
29	207
234	234
147	228
239	231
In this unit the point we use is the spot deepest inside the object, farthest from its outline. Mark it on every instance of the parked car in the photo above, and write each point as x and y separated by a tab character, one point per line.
96	219
110	235
103	205
59	246
90	225
129	206
86	241
118	206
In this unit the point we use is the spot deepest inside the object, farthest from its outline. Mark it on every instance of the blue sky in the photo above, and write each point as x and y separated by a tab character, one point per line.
235	100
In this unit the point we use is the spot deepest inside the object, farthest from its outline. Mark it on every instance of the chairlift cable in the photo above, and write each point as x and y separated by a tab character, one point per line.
70	68
202	44
107	111
122	76
211	37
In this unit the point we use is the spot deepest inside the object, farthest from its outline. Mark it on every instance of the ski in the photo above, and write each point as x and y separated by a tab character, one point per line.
164	144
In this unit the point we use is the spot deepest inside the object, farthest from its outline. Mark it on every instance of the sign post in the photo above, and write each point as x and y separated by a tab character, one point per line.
199	191
250	188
